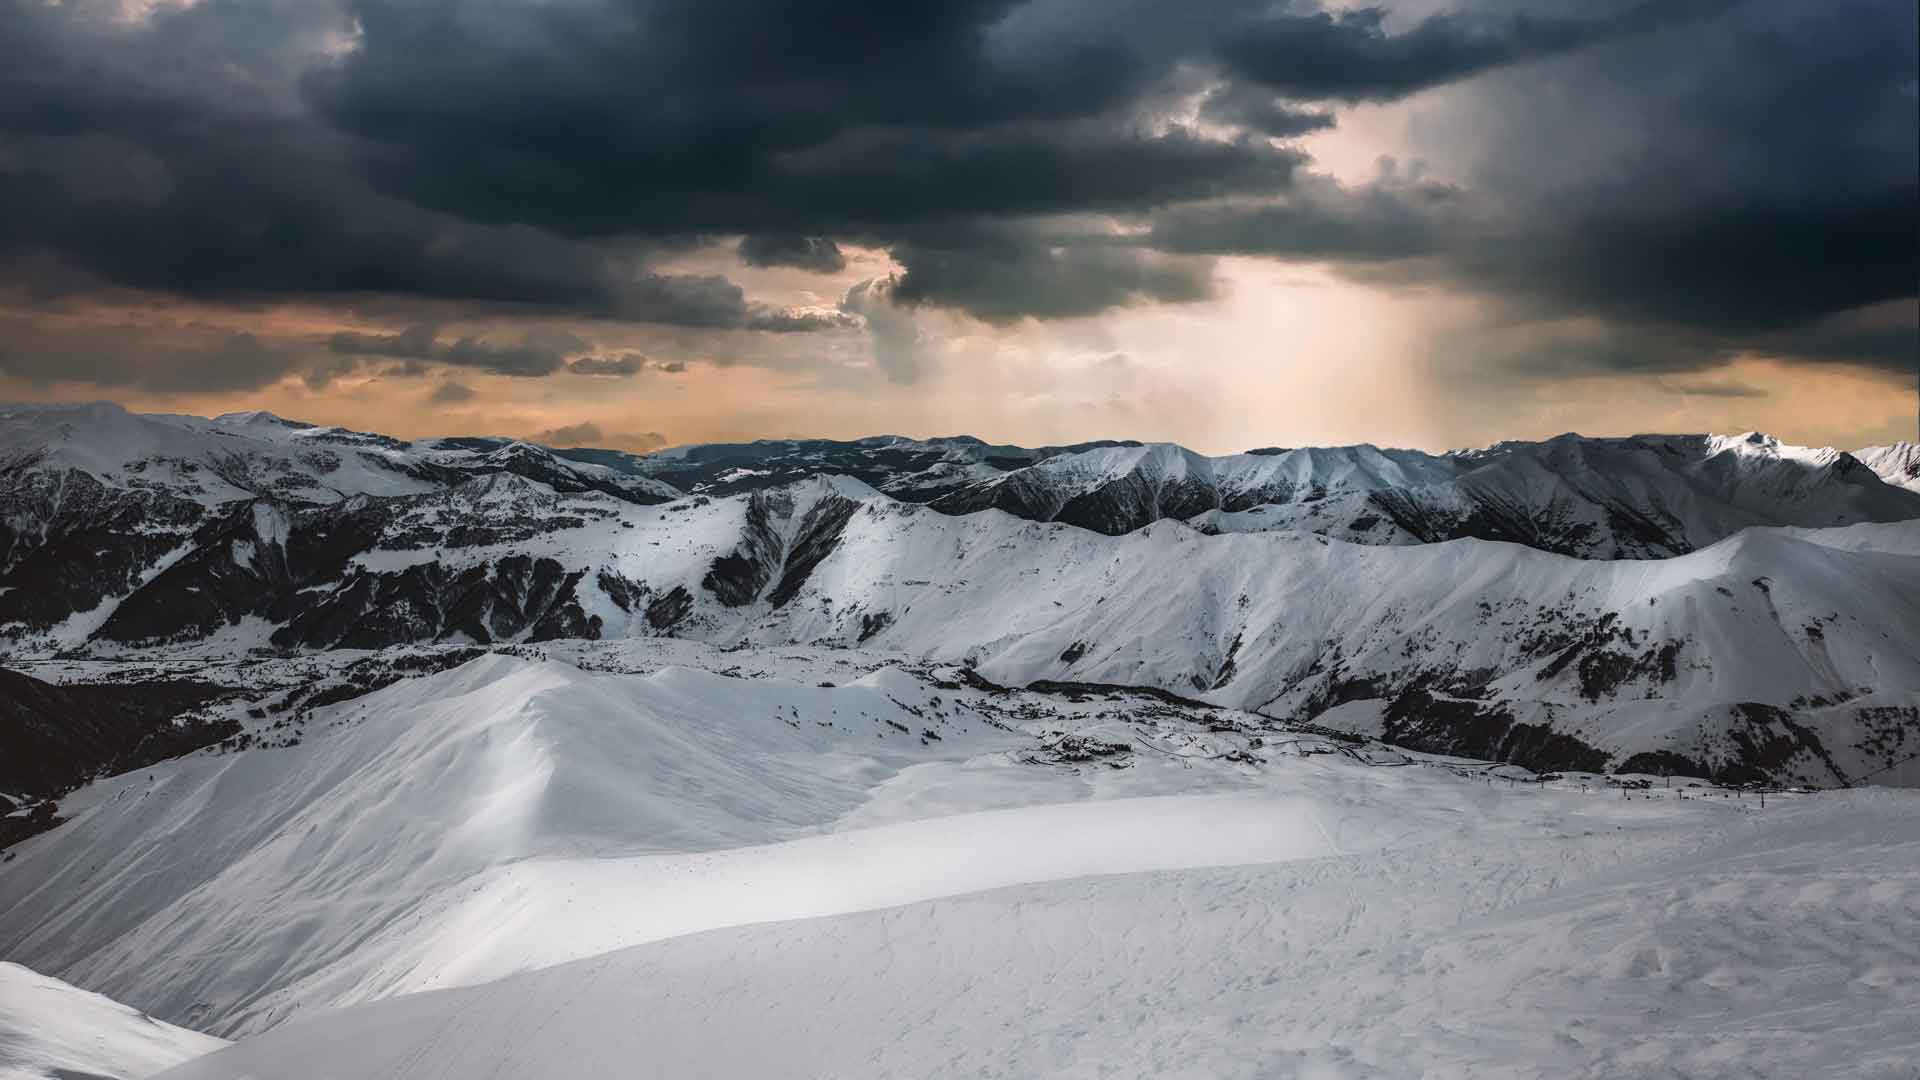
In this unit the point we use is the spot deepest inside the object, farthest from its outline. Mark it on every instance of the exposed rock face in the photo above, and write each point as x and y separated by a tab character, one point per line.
52	738
68	542
1423	721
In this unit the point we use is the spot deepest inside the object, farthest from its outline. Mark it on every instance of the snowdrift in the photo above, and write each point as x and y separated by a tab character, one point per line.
1609	942
52	1031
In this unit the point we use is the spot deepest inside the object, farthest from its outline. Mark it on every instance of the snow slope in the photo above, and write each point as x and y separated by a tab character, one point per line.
52	1031
519	868
419	836
1552	934
1897	463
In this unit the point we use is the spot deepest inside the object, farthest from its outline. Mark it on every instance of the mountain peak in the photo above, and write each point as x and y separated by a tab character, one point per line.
258	418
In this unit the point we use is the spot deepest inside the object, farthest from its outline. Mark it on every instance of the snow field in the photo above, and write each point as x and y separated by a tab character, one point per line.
1619	938
49	1029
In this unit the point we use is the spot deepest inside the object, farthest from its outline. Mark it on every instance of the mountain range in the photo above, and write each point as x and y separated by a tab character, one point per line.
444	756
1732	602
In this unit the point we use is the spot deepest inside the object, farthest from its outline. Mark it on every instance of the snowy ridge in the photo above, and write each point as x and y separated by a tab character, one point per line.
1531	941
1898	463
526	868
1789	651
257	454
1819	622
160	530
50	1030
435	832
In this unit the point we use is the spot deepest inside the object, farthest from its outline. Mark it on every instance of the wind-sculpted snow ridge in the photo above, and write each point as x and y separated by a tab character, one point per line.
52	1031
508	815
1580	936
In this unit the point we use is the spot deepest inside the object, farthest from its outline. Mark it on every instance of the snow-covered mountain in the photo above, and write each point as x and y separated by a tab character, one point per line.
117	527
1762	650
522	867
1897	463
459	756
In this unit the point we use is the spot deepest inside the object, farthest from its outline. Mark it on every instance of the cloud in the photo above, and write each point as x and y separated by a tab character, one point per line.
797	320
587	433
1351	56
536	354
570	435
413	343
1001	275
1697	388
898	346
1729	175
1744	184
1241	105
818	254
623	364
1394	216
450	392
178	360
1750	181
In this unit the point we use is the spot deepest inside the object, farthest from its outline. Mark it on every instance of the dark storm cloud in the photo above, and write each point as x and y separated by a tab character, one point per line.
181	361
1734	174
1352	56
1762	182
1392	217
541	352
1001	275
450	150
816	253
1259	110
177	153
525	359
1738	185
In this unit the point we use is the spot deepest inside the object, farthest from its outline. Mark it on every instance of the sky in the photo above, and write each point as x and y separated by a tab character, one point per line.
1225	223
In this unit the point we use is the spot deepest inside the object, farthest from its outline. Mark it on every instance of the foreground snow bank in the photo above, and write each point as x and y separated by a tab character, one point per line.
543	912
224	891
1775	945
52	1031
